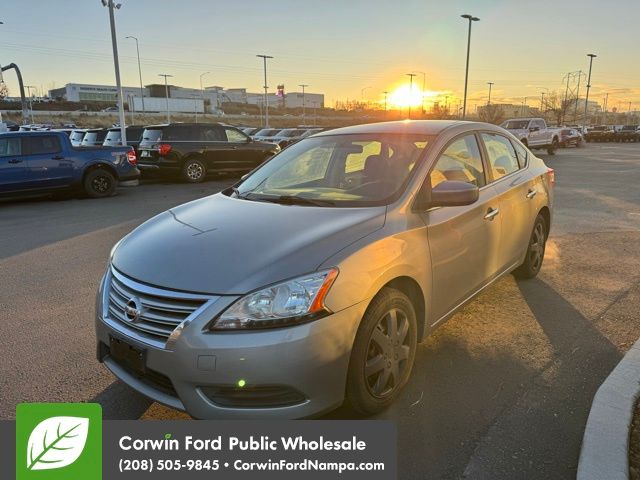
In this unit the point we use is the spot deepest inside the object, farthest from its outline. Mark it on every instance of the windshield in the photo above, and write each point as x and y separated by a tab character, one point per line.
152	135
267	132
77	136
337	170
516	124
112	138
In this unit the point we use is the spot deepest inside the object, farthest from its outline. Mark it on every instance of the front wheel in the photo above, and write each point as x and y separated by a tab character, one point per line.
99	183
194	170
535	250
383	353
553	147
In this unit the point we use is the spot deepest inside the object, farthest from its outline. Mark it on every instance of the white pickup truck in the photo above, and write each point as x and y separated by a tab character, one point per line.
534	133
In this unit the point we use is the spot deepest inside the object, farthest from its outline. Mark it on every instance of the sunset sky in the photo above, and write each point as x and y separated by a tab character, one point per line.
338	47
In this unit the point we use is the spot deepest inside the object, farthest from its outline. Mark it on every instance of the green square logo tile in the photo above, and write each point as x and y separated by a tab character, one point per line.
58	441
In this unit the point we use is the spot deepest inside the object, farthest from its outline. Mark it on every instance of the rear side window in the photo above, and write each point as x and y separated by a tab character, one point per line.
10	147
211	134
523	154
234	135
134	133
42	145
460	161
502	156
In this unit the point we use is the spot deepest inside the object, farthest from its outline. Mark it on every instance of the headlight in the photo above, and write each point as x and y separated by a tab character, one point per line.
292	302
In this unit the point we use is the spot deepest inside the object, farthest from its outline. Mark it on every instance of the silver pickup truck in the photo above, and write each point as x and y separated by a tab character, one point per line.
534	133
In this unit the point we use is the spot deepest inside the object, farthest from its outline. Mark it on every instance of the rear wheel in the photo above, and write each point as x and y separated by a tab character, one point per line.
535	250
99	183
383	353
194	170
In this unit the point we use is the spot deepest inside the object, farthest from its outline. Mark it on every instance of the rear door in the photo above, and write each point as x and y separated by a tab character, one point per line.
242	152
515	188
13	165
48	167
464	240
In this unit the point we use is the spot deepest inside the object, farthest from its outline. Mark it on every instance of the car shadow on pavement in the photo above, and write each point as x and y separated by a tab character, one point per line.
540	435
121	402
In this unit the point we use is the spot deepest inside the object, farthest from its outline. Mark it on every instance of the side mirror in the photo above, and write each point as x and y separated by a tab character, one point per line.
248	140
450	193
534	129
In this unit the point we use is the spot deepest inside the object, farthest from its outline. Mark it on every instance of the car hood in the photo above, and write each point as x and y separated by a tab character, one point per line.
224	245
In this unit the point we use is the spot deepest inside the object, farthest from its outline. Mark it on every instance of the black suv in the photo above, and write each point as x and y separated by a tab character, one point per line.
191	150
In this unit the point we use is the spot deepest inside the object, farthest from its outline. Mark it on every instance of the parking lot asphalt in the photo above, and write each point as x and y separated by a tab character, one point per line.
500	391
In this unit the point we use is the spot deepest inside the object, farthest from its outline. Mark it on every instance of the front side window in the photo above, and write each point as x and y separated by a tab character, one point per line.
338	170
43	145
234	136
460	161
10	147
501	155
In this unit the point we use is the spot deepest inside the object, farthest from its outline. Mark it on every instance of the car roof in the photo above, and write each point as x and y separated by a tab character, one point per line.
424	127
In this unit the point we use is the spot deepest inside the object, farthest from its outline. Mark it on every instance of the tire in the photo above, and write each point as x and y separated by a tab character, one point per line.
551	150
387	359
535	250
194	170
99	183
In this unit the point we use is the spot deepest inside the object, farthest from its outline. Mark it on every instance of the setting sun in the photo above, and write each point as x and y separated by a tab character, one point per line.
404	96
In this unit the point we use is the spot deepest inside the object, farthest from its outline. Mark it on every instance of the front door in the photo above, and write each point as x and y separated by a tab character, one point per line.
463	241
48	166
13	165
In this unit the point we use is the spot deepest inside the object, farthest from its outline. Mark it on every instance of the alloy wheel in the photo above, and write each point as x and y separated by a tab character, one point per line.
536	247
195	171
101	184
387	354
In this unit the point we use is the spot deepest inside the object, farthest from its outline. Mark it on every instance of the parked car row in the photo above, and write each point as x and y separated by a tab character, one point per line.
283	137
610	133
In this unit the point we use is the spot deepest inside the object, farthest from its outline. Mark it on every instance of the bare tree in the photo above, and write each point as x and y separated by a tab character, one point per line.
491	114
557	107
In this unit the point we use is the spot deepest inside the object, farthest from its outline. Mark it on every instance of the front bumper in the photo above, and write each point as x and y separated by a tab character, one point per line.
311	359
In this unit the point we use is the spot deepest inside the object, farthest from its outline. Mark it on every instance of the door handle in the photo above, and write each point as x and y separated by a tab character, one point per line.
57	157
531	193
491	213
15	160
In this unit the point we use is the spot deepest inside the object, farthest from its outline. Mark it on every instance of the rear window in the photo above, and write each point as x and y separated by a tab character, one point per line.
94	137
134	133
267	132
77	136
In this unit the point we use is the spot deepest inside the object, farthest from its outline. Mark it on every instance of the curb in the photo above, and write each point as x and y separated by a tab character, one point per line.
605	444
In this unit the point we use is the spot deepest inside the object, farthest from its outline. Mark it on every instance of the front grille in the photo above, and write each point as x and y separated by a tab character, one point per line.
160	311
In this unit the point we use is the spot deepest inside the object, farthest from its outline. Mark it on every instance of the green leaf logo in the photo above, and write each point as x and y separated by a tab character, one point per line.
56	442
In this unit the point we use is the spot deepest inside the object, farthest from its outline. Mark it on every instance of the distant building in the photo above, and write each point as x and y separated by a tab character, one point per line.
80	92
213	96
511	110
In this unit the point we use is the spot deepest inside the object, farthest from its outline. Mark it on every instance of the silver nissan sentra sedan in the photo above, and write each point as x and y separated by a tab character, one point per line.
312	280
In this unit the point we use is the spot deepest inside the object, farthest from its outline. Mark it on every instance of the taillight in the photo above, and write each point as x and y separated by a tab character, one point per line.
552	175
131	157
164	149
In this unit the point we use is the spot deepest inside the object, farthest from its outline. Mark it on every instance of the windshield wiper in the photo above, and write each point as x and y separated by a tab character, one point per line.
295	200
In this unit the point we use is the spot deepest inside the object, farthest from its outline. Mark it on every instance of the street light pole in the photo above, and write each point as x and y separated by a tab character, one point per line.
266	102
166	93
471	19
139	73
490	85
116	64
424	81
386	92
202	92
29	87
304	103
586	98
410	75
